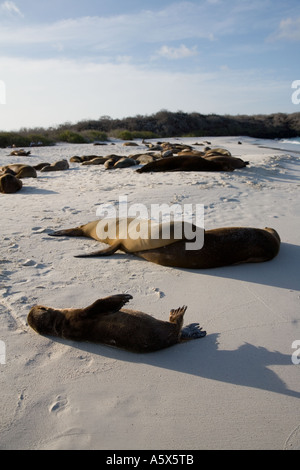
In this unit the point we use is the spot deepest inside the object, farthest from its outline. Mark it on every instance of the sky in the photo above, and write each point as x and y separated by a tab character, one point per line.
71	60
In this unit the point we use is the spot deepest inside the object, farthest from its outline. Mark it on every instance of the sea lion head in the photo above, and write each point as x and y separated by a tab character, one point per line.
45	320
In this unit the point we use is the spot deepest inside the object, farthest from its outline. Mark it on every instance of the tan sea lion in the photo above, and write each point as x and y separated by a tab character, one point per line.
130	144
9	184
233	162
144	159
184	163
21	170
123	162
222	246
94	161
20	153
105	321
127	234
57	166
191	153
218	151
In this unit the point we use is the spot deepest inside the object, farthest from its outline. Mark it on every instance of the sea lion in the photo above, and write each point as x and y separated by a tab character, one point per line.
233	162
94	161
222	246
105	321
130	144
39	166
21	170
128	234
184	163
123	162
218	151
191	153
144	159
9	184
57	166
20	153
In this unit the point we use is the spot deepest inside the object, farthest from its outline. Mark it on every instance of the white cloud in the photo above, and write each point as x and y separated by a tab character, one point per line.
289	28
177	52
55	91
11	8
176	22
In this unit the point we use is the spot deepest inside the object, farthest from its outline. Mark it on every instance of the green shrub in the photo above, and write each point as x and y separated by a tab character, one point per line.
92	135
7	139
39	139
71	137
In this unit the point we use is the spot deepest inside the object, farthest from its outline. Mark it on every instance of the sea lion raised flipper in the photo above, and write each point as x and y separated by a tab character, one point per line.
105	252
192	331
110	304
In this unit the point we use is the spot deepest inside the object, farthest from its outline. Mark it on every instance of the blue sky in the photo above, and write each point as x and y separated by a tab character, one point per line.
68	60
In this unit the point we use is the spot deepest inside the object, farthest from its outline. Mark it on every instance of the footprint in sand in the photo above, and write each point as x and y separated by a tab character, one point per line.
59	404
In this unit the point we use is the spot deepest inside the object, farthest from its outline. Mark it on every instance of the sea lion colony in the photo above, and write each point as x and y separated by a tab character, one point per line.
162	156
105	320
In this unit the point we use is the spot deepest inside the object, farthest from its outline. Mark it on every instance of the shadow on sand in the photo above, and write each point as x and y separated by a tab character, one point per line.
282	271
246	366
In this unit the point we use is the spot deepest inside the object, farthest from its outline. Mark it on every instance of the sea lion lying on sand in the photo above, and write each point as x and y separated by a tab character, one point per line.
20	153
105	321
222	246
233	162
9	184
57	166
184	163
20	170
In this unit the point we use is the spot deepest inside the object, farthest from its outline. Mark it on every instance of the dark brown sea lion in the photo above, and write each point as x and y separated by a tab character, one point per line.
222	246
184	163
39	166
9	184
105	321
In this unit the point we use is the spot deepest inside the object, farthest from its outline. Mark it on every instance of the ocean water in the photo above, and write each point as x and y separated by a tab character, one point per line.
293	140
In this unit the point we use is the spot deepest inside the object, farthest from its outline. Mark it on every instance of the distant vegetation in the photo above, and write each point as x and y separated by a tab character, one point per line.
162	124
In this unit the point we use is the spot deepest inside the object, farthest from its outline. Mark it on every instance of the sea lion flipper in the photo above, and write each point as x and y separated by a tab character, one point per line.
192	331
69	232
113	303
104	252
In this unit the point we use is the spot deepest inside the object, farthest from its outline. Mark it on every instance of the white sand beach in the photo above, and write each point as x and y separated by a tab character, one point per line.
237	388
